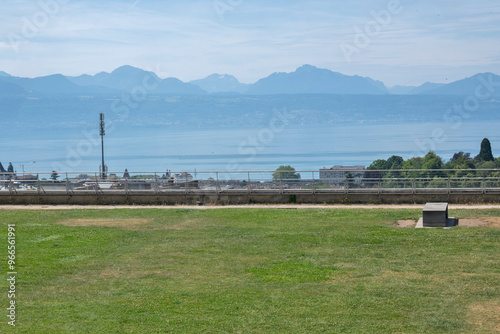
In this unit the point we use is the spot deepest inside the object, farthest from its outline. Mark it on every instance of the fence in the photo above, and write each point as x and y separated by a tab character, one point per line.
282	182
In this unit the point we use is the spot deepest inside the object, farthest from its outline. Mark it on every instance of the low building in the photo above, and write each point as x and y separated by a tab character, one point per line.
25	178
183	177
342	172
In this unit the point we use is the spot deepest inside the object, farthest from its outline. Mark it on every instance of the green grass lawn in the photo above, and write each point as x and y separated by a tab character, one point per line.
250	271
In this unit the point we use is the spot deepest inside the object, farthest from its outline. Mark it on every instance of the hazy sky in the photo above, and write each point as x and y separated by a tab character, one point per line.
410	42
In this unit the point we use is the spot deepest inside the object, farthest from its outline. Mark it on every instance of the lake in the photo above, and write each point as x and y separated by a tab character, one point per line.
256	149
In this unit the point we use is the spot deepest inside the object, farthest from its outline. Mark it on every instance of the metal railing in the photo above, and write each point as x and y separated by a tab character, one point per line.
342	181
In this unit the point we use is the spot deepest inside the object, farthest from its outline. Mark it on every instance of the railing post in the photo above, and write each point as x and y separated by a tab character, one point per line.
313	183
281	182
186	184
96	185
249	187
67	185
217	186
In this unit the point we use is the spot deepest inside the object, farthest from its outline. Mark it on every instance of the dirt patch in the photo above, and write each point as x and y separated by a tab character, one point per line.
478	222
127	224
485	316
130	273
469	222
135	223
406	223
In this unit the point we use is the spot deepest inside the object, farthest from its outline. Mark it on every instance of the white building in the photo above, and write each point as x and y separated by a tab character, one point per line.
341	172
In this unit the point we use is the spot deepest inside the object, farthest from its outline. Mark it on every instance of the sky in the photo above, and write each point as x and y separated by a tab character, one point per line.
400	42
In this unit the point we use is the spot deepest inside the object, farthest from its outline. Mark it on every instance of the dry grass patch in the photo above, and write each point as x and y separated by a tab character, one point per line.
478	222
406	223
125	223
486	316
469	222
185	224
116	273
130	273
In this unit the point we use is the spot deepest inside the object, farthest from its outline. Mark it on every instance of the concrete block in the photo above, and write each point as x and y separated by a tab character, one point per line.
435	215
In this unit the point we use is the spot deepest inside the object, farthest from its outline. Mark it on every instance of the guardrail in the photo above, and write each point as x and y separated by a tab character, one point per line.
282	182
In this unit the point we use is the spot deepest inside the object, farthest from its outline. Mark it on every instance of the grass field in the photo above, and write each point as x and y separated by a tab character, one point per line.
250	271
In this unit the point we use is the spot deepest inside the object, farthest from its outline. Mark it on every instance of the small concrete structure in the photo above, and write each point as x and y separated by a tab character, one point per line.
436	215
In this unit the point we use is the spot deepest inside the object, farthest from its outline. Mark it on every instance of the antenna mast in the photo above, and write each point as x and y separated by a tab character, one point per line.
102	132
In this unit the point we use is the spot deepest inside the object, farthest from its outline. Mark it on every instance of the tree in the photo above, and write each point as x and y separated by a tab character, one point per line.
460	160
54	176
460	156
10	169
486	165
432	161
286	173
485	154
395	162
379	164
413	163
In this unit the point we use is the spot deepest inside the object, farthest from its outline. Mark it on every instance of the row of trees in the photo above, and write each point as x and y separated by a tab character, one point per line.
463	164
431	166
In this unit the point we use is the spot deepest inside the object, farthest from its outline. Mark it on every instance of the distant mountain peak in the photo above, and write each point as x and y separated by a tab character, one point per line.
306	67
220	76
216	83
3	74
484	73
309	79
126	69
464	87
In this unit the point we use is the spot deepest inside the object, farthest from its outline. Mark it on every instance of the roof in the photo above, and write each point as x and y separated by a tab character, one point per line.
345	168
2	170
27	178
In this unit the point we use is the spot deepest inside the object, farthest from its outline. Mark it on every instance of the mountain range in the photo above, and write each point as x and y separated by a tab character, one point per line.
306	79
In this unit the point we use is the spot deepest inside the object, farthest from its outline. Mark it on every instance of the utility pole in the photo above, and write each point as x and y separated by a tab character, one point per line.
102	133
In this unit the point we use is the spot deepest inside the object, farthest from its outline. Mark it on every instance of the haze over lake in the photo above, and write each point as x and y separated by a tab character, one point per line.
305	148
156	130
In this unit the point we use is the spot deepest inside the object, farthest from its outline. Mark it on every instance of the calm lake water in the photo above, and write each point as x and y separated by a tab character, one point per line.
305	148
